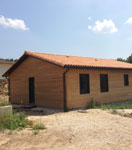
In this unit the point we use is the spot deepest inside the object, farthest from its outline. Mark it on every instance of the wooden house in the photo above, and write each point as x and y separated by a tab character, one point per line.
68	82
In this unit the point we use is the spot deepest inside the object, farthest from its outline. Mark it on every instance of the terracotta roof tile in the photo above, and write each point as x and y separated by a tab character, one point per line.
76	61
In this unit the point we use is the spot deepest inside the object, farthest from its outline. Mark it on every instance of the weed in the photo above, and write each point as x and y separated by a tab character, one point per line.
18	121
91	104
35	132
39	126
14	121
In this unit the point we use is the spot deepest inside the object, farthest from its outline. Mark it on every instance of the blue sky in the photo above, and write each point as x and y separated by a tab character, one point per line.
66	27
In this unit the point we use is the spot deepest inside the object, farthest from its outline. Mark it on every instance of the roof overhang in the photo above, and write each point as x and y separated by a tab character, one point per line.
97	67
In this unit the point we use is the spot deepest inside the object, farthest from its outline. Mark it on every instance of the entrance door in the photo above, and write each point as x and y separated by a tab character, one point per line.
31	90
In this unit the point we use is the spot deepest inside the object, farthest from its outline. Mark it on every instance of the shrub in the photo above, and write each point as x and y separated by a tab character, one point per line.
18	121
14	121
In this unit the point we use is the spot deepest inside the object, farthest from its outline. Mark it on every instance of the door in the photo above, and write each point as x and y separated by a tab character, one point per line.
31	91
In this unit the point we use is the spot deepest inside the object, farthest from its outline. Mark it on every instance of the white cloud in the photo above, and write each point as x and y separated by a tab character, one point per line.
130	38
129	21
89	18
13	23
90	27
106	26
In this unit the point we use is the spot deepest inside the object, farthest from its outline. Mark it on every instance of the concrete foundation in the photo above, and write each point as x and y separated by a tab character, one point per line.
5	111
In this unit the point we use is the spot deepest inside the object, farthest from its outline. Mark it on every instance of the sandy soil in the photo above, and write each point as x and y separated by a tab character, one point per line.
88	130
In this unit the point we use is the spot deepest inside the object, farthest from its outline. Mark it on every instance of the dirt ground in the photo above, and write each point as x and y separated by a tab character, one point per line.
87	130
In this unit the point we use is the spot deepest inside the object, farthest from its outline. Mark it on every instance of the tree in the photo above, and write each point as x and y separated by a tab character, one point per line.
121	59
129	59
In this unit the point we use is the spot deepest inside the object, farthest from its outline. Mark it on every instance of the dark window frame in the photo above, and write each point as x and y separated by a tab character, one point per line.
126	80
104	83
84	83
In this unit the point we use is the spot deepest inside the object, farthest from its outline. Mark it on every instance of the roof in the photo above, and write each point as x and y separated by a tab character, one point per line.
66	61
2	61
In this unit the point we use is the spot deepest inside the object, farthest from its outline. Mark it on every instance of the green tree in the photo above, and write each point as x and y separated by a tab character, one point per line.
129	59
121	59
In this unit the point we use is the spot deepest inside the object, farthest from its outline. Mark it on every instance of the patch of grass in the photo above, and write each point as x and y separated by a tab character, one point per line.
18	121
39	126
15	121
112	106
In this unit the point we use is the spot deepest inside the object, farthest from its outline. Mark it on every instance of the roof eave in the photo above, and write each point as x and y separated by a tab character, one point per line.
95	67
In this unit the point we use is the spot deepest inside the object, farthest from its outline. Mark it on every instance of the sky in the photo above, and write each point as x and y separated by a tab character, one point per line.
90	28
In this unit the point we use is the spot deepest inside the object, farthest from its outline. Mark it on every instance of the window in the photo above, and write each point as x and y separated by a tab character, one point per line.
126	80
104	83
84	84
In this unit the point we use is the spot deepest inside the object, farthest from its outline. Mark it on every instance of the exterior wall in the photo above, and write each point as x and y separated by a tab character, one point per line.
48	83
4	68
117	90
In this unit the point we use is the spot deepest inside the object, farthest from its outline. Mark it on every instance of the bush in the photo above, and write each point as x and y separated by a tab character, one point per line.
15	121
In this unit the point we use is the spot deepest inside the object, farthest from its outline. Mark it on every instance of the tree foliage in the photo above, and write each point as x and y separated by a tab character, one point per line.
128	59
9	59
121	59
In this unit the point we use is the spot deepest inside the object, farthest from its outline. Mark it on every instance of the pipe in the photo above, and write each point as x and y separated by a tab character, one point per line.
64	88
